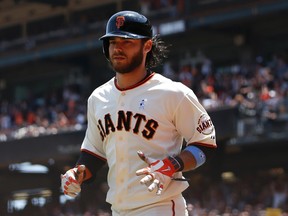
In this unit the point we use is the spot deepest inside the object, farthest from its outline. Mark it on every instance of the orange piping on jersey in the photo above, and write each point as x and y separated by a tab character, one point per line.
135	85
93	154
203	144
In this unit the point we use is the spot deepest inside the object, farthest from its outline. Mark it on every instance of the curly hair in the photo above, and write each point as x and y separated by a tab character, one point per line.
158	52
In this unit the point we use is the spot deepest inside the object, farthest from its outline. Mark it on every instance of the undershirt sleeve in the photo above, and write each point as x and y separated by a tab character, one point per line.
92	162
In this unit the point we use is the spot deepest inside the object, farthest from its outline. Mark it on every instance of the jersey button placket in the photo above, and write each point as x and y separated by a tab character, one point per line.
121	102
121	149
121	153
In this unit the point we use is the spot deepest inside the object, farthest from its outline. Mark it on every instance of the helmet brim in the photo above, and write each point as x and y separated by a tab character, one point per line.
123	34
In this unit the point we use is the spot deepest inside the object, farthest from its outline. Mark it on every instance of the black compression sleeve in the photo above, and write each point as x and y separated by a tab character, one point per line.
92	162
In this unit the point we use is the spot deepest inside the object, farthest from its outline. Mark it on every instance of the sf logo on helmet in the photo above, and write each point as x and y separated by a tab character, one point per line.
120	21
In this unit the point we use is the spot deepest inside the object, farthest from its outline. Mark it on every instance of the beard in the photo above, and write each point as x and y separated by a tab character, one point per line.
134	62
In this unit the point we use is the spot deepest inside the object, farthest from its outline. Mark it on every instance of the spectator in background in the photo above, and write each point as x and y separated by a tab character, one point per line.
197	78
145	6
18	117
281	66
283	107
168	71
6	122
185	75
31	117
279	189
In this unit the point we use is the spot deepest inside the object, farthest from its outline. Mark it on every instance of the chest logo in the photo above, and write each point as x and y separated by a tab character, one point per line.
127	121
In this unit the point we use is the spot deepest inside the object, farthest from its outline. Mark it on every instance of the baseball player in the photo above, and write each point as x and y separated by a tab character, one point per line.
137	122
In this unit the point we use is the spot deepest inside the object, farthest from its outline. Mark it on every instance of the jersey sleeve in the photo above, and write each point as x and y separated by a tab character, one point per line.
92	141
193	122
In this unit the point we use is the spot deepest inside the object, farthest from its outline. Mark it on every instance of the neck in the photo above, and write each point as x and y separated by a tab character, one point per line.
127	80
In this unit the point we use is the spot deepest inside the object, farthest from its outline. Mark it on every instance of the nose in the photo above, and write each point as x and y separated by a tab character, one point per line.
117	46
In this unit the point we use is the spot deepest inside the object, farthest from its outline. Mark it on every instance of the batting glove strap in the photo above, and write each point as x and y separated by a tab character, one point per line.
177	163
167	166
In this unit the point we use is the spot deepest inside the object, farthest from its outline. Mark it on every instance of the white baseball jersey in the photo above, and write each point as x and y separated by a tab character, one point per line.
154	117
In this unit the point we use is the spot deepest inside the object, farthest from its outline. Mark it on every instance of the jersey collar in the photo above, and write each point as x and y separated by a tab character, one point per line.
145	79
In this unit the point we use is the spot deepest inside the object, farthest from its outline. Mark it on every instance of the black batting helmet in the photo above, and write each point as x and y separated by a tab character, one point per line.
126	24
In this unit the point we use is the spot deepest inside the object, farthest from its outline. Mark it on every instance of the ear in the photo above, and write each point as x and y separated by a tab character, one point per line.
148	46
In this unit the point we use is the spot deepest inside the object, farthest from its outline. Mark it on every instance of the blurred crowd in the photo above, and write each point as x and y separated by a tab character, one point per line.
259	90
250	195
57	111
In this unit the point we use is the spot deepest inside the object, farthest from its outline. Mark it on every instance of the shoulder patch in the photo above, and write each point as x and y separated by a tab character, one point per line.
205	125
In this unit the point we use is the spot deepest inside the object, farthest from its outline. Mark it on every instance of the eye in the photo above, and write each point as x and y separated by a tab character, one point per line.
112	42
128	41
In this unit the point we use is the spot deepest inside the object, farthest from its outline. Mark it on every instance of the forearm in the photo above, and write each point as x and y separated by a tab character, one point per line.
92	163
189	162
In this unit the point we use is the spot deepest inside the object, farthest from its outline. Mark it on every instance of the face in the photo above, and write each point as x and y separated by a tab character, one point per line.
125	54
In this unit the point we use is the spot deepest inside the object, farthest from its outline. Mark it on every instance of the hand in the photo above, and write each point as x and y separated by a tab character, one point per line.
71	181
158	173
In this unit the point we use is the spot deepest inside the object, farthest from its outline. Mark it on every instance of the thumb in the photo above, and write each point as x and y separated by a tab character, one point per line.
143	157
80	173
80	169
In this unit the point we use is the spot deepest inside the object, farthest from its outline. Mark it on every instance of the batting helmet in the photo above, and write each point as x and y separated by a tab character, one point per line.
126	24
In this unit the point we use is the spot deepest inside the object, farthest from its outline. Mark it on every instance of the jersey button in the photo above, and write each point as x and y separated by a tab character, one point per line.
122	104
123	93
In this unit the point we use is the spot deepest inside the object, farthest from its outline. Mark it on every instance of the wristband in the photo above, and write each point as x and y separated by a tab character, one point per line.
197	153
177	163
